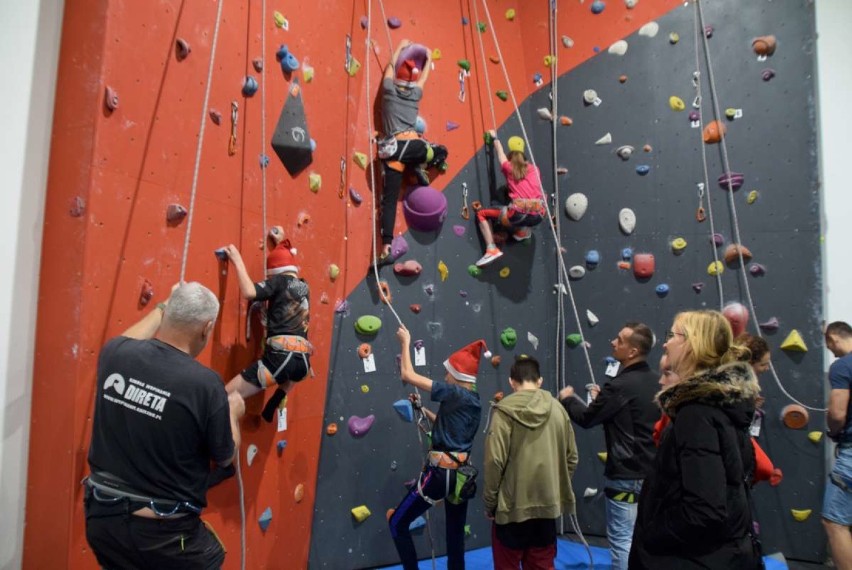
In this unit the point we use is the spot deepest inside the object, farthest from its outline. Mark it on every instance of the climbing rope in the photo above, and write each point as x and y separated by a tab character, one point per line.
200	143
242	513
264	160
485	67
561	259
699	10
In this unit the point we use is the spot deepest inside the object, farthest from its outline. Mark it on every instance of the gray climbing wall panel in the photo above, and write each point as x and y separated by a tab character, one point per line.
774	144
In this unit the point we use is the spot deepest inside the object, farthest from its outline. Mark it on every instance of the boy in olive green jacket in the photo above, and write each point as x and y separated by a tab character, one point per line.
530	457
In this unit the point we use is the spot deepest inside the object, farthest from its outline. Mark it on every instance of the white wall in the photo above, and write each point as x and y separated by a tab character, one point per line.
29	46
29	50
834	21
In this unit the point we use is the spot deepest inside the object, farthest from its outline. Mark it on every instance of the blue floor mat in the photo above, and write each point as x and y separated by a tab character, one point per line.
569	555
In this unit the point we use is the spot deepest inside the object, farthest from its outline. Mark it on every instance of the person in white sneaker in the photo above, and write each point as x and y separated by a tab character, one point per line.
526	207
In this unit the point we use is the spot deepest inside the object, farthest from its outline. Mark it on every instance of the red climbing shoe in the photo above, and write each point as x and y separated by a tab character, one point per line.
521	234
491	253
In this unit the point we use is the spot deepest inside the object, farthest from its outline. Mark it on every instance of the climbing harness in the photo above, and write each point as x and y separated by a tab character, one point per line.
106	489
621	496
232	141
465	211
283	344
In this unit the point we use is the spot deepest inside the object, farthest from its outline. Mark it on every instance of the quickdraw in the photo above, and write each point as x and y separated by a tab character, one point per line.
699	213
232	143
341	188
465	211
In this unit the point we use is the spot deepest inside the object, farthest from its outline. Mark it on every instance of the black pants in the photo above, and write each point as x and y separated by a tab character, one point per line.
122	541
390	196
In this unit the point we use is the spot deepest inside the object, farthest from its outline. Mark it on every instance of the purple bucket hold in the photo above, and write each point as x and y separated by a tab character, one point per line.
734	178
359	427
425	209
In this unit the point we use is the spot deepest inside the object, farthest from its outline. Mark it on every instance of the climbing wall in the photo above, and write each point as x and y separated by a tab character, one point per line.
115	172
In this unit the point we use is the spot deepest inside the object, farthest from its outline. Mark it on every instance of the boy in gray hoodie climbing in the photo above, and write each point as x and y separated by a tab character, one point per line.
530	457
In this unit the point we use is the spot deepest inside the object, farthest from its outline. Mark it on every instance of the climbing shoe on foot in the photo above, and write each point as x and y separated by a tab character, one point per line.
422	176
491	253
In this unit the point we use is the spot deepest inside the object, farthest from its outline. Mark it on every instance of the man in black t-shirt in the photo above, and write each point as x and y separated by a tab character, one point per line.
161	418
286	354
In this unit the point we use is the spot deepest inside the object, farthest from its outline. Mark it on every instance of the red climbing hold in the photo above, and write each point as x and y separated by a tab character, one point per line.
78	207
182	49
175	213
643	265
110	98
146	294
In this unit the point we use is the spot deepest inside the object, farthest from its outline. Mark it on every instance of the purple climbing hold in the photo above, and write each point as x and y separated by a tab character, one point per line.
216	117
598	6
399	247
708	31
355	196
78	207
767	74
175	213
364	22
697	287
694	116
459	230
769	326
359	427
394	23
429	289
342	307
465	21
757	270
718	240
417	344
462	293
425	208
182	49
643	169
451	126
734	180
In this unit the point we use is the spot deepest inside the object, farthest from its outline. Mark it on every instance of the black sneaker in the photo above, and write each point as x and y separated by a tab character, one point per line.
422	176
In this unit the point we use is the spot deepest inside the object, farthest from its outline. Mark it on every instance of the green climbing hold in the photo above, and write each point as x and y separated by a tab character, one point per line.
464	64
573	340
474	271
509	338
482	27
368	325
502	95
488	138
467	530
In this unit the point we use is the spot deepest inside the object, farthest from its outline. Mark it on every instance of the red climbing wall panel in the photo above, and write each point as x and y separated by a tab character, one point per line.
129	165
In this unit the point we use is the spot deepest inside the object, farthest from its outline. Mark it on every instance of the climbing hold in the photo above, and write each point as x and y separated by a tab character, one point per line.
408	268
718	239
307	73
504	272
341	307
110	98
280	20
801	515
662	290
623	265
265	519
618	48
419	522
215	116
694	116
324	298
182	49
175	213
394	22
399	247
593	257
767	74
533	340
590	96
576	205
627	221
752	197
794	342
598	6
544	113
732	180
451	126
573	339
221	254
674	37
365	389
606	139
429	289
280	446
436	54
764	45
713	132
464	64
643	169
420	125
815	436
647	148
482	27
474	271
495	362
415	308
358	426
508	338
624	152
538	79
368	325
360	513
78	207
737	316
404	409
678	245
708	31
443	270
360	159
577	272
676	103
425	209
299	493
249	86
331	429
630	4
291	139
353	67
794	416
622	79
288	61
364	350
510	14
502	95
303	220
715	268
146	294
567	42
333	271
592	318
602	455
649	30
643	265
251	453
561	170
697	287
769	325
627	254
589	492
355	196
733	252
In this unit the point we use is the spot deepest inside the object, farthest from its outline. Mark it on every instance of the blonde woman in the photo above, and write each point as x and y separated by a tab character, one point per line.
694	510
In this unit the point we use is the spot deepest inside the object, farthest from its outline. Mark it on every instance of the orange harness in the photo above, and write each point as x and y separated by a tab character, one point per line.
403	136
290	344
444	460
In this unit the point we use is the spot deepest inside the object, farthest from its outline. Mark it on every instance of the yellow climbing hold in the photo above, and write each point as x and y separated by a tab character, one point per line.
510	14
801	515
715	268
364	388
815	436
678	244
333	271
280	20
505	272
602	456
436	54
443	270
794	342
549	60
752	197
315	182
354	67
360	159
676	103
361	513
307	73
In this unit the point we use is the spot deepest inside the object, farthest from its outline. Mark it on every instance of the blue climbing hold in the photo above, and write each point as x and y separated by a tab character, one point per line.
249	86
265	519
465	21
419	522
537	79
592	258
662	289
598	6
420	125
627	254
264	161
289	63
221	254
404	409
596	49
281	445
643	169
313	145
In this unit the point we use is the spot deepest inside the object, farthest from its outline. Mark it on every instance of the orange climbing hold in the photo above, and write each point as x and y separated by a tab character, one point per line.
364	350
331	429
386	292
299	493
714	131
794	416
566	121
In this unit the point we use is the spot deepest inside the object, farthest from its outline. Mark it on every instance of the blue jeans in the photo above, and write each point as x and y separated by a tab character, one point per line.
837	504
620	518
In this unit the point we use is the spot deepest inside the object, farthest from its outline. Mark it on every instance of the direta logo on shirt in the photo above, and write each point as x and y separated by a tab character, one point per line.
136	395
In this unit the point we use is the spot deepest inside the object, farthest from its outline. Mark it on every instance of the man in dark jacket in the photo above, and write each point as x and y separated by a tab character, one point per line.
625	406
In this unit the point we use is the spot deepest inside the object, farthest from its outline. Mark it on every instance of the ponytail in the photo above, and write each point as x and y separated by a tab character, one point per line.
519	165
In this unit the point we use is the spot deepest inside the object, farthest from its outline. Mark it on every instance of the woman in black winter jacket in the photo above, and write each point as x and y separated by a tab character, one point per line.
694	509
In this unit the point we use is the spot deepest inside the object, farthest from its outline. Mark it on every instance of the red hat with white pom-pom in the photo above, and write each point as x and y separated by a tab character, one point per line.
463	364
282	259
